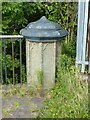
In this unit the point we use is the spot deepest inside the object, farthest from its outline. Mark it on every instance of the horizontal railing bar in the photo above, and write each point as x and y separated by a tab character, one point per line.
11	36
80	62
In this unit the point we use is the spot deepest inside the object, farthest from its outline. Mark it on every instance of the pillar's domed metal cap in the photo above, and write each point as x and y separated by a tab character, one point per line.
43	30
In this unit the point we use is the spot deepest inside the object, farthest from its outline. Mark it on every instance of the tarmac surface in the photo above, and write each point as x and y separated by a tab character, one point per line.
21	107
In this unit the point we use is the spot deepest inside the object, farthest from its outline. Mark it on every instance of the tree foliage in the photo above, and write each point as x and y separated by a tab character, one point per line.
17	15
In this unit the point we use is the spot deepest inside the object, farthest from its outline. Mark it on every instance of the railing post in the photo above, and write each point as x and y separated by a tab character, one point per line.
85	36
0	61
79	47
5	65
13	62
20	61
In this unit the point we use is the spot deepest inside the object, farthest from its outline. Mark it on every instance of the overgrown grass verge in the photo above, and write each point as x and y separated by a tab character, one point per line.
69	97
21	90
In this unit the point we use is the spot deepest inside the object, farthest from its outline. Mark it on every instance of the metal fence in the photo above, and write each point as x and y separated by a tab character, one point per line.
12	59
82	31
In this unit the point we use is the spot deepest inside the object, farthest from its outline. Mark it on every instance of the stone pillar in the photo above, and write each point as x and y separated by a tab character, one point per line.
42	48
41	57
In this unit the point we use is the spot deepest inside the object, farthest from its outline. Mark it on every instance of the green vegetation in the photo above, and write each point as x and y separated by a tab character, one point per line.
21	90
69	97
0	28
40	77
5	112
17	104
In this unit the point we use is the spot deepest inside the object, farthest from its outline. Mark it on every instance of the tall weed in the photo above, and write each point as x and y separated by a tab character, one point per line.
69	97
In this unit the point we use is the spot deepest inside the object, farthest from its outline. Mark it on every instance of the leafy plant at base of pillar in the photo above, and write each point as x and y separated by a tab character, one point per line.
40	77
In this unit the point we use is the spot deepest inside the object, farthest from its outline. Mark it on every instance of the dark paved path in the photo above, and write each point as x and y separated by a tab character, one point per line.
21	107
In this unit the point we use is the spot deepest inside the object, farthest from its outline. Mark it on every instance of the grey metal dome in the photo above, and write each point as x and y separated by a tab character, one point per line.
43	30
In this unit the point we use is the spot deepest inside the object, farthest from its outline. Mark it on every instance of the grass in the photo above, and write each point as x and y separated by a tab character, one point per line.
20	90
17	104
69	97
6	112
